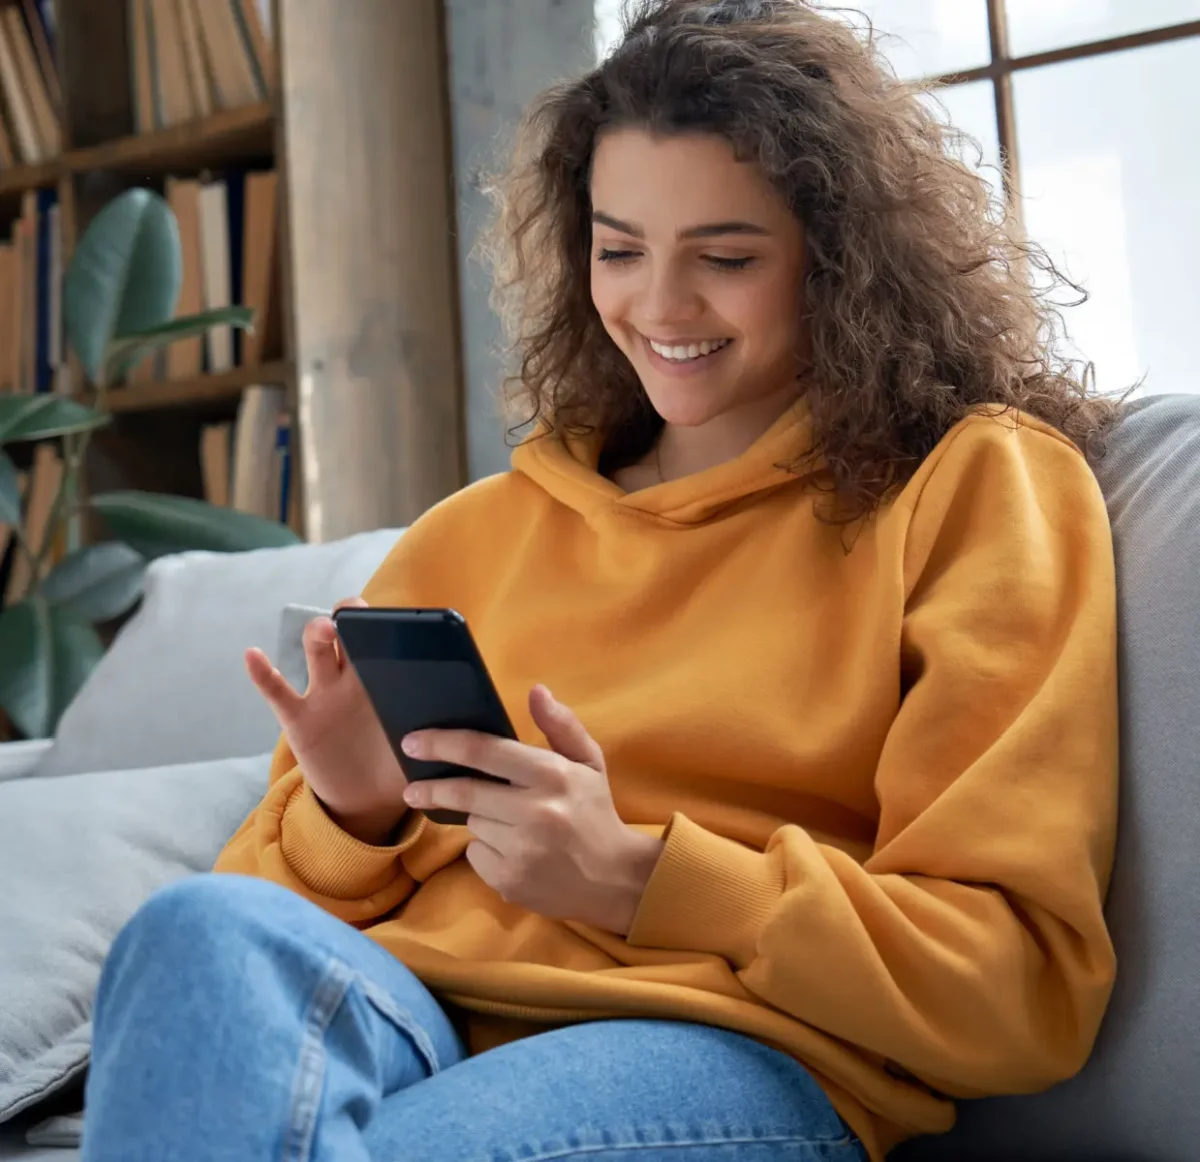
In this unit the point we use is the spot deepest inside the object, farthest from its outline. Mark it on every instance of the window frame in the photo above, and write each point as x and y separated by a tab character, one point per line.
1002	67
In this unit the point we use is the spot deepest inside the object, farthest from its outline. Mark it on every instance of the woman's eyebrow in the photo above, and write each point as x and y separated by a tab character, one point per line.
707	230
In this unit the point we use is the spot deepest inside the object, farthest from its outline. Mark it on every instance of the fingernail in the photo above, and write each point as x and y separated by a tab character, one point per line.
414	796
412	745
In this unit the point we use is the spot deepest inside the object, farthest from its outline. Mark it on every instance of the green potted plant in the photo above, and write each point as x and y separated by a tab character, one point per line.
119	296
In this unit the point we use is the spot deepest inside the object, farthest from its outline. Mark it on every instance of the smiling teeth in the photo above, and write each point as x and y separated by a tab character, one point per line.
691	351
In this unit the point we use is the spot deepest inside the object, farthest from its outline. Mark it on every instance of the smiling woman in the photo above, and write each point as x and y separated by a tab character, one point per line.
888	284
697	278
800	601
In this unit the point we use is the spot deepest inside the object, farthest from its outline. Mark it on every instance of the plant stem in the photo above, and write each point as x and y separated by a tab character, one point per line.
22	543
74	464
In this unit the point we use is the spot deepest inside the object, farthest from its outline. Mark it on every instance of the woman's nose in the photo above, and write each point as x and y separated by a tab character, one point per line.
669	297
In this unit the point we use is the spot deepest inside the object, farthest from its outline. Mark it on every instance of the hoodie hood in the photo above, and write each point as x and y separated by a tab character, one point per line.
566	468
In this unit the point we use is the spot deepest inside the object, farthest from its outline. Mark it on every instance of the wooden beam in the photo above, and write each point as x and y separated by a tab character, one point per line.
1073	52
157	395
1006	119
371	221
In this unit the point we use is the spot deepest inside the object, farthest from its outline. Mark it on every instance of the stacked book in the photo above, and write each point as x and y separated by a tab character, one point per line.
228	234
30	97
189	58
228	228
247	464
31	260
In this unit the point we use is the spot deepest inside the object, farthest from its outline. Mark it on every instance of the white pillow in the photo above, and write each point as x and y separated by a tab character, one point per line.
173	687
78	855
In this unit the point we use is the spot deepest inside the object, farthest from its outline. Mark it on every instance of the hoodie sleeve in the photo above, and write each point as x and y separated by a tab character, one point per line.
291	839
969	950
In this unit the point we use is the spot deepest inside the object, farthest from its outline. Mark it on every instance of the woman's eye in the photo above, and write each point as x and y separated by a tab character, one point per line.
617	255
728	263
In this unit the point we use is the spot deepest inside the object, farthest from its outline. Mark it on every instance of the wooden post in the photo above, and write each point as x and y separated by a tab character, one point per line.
371	221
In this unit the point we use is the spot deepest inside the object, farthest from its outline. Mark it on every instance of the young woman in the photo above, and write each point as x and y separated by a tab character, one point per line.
800	594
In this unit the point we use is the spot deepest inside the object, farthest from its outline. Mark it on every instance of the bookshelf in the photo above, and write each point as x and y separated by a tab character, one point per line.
126	113
364	355
224	136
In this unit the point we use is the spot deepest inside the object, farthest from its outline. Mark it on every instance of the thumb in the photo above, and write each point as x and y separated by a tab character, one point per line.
563	730
320	652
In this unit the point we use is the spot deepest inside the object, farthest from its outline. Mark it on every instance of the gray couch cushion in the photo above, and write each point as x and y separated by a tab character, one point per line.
1137	1097
78	854
14	1148
173	688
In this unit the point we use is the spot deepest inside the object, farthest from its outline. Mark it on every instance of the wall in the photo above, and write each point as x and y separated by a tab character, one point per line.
502	53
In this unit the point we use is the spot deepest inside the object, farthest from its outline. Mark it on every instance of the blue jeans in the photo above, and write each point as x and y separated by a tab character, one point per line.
236	1021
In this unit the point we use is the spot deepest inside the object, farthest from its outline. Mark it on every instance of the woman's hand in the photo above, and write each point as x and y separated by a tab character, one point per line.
552	841
335	735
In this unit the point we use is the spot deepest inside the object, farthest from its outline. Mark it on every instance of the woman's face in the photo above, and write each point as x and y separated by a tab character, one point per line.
696	273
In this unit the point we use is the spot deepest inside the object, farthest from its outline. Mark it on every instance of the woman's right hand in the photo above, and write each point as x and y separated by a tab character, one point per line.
335	735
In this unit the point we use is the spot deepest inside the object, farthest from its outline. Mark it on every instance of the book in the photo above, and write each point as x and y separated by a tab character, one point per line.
199	74
256	463
253	31
185	359
175	103
29	71
141	68
216	447
233	70
18	104
260	265
217	280
43	34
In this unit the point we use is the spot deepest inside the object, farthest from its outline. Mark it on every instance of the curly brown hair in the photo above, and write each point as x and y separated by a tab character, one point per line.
922	297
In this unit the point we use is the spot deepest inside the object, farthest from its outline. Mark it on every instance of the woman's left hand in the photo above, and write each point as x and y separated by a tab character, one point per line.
551	841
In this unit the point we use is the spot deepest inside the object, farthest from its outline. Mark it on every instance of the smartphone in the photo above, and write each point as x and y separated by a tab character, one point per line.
422	669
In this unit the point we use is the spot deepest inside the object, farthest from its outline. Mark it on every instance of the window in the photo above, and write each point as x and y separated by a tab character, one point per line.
1091	105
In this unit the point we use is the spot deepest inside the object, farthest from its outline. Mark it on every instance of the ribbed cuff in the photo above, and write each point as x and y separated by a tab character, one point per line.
706	894
332	862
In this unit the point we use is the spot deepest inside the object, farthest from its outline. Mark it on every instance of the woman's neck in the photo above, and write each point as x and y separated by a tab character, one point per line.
683	451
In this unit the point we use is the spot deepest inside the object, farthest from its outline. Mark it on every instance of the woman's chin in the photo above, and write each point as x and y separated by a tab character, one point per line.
685	407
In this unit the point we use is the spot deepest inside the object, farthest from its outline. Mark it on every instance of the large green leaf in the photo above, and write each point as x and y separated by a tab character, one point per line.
156	524
10	493
38	417
98	582
46	653
124	276
126	350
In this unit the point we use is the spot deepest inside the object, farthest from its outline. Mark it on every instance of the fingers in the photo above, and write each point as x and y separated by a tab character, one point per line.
350	603
515	762
273	686
477	797
563	730
500	837
321	652
488	864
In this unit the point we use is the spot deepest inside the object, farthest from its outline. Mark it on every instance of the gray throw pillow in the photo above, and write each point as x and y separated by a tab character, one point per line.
173	687
78	855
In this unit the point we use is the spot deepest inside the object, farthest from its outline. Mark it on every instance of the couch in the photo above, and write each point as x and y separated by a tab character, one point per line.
166	746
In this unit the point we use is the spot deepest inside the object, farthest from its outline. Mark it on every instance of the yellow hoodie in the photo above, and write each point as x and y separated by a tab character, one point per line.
886	776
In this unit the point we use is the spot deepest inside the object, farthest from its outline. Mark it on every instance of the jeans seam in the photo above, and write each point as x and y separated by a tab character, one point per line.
327	998
310	1068
819	1144
403	1019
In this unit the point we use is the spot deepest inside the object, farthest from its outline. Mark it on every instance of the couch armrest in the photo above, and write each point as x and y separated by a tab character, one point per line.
18	759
